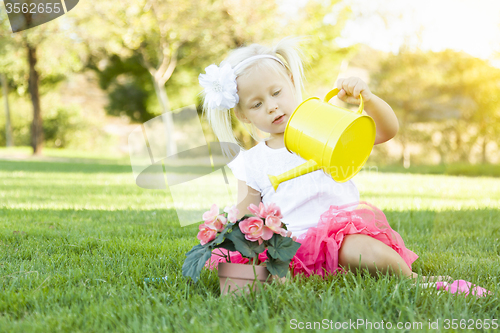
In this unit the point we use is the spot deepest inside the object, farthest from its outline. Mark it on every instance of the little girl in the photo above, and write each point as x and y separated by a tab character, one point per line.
337	232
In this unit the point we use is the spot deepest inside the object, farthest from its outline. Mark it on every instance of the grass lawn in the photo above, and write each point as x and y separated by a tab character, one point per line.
78	239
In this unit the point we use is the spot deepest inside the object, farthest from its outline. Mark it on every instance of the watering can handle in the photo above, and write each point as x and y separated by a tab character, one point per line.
335	91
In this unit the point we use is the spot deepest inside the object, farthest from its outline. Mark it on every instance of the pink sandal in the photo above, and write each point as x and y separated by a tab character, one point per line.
463	287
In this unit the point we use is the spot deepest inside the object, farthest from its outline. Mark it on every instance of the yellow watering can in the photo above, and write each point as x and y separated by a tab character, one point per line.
331	138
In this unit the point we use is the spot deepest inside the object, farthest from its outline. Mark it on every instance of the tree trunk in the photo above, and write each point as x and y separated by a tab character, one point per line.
8	127
405	153
161	94
483	153
461	150
442	154
406	157
37	125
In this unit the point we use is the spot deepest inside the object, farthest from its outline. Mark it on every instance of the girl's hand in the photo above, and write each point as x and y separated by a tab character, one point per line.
351	88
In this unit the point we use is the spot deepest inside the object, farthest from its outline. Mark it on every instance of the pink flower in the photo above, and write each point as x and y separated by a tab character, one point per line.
254	229
255	210
273	223
274	210
211	214
207	233
264	211
212	218
232	213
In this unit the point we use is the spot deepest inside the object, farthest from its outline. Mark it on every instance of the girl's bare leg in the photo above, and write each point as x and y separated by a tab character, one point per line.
360	252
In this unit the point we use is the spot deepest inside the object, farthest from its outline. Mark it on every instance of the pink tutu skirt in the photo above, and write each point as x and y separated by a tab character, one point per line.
319	250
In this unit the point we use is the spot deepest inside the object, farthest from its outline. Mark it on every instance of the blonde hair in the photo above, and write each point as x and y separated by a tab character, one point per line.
287	50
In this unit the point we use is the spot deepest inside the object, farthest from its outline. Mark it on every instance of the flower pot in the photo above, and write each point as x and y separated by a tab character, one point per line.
239	278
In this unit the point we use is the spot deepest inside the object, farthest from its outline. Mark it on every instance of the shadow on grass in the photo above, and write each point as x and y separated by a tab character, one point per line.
114	223
457	169
79	167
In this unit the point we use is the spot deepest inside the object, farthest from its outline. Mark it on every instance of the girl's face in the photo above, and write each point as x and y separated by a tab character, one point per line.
266	100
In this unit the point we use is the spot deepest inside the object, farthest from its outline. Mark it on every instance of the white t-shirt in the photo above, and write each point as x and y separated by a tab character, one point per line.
302	199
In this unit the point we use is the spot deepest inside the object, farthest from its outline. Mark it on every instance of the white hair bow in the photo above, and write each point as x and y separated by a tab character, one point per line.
220	87
221	91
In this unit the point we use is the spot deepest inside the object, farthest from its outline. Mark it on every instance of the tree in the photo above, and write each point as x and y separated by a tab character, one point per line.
49	58
8	66
163	35
129	87
475	87
454	92
322	22
8	127
23	40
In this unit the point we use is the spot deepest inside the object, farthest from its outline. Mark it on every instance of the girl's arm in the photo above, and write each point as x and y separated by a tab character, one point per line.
385	119
246	196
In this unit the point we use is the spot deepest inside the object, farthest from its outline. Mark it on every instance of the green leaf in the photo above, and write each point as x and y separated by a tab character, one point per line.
247	248
195	261
227	244
282	248
276	266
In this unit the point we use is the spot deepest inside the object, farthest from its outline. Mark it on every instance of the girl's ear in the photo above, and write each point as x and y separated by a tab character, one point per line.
291	78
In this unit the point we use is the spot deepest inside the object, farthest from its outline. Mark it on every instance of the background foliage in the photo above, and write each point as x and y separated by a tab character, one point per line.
147	56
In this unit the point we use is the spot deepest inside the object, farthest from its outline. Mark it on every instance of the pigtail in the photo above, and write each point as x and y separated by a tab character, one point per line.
220	122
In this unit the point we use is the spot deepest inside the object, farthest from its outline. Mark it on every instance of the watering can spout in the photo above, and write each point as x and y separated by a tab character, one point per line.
302	169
